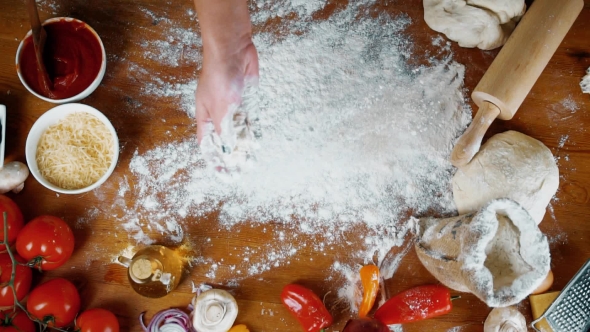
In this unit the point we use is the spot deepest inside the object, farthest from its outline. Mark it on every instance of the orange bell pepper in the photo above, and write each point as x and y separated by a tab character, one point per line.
370	281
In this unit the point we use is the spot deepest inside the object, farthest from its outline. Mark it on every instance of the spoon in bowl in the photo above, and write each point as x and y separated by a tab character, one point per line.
39	37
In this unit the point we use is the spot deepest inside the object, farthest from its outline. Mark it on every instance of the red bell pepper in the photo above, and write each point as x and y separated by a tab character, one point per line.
414	304
307	307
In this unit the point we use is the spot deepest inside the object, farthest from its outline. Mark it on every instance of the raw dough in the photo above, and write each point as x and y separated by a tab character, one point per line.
511	165
485	24
585	84
507	319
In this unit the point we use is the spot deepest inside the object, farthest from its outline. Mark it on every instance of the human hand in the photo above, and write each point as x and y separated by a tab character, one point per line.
225	72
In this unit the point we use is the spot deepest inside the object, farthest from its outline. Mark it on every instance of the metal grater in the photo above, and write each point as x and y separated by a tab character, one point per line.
570	312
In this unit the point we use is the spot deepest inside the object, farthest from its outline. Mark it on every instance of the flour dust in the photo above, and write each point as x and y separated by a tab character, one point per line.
350	136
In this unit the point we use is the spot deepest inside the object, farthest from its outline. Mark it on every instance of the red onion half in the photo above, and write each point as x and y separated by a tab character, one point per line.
169	320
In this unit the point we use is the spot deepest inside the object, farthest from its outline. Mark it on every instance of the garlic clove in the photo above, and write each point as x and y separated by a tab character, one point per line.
215	311
507	319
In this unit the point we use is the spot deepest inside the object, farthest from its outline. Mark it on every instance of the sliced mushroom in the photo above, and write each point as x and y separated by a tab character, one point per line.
507	319
13	176
215	311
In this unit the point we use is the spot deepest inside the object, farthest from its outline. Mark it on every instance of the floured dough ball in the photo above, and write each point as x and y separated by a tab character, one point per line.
511	165
585	83
485	24
507	319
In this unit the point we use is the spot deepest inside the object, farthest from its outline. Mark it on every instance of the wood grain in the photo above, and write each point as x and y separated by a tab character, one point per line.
138	118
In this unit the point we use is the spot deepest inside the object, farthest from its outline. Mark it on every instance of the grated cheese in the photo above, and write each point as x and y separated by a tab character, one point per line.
76	152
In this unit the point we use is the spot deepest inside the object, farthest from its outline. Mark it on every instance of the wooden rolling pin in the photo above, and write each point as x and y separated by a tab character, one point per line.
515	70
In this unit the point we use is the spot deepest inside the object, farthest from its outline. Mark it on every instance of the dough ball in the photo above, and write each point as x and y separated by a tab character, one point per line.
585	84
511	165
485	24
507	319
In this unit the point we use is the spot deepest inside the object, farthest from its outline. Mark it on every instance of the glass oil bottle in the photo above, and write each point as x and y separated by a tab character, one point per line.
154	271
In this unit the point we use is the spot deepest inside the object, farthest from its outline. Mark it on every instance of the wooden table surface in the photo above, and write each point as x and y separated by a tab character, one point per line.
124	24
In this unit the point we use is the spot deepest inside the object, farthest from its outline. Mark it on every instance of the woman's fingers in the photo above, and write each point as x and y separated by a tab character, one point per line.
252	66
202	117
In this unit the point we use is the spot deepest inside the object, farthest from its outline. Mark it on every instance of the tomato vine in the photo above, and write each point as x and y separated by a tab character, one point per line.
11	282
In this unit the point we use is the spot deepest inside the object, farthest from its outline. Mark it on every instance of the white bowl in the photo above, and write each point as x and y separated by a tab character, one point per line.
52	117
90	89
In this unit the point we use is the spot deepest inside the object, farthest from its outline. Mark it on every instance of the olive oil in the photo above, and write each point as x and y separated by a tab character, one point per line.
154	271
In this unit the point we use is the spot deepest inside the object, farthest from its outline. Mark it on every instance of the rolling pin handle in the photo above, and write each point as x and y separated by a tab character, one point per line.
468	144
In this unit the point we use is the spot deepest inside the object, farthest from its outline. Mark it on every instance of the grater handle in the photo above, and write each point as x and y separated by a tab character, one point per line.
538	320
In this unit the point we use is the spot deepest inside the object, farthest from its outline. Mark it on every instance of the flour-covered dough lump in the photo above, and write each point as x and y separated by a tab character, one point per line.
485	24
511	165
585	84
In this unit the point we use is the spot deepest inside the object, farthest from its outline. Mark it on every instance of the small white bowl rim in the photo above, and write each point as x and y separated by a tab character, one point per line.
44	122
89	89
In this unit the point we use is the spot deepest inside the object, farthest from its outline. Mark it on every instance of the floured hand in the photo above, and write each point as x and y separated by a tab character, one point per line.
222	83
229	59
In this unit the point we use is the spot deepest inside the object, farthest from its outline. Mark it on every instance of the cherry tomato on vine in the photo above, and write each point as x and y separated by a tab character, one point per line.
11	321
97	320
14	219
47	241
55	302
22	281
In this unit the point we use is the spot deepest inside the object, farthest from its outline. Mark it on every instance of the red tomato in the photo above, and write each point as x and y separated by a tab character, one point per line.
47	240
56	301
22	280
14	218
97	320
11	321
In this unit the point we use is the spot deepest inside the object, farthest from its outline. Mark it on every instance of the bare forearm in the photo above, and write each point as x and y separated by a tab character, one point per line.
229	58
225	24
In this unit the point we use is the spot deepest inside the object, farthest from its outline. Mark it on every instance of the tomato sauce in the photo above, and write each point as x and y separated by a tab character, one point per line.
72	56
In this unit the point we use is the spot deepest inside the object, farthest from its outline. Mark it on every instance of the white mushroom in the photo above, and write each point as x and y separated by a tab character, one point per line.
507	319
215	311
13	176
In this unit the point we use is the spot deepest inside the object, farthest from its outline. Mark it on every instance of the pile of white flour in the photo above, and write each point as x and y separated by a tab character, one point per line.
350	135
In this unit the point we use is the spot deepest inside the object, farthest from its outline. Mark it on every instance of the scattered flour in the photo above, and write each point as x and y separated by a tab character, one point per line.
562	140
455	329
50	6
90	215
264	10
570	104
181	46
351	138
351	291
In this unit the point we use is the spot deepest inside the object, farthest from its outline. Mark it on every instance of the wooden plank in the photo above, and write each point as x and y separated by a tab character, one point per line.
138	119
